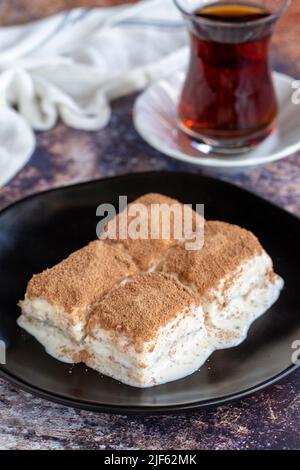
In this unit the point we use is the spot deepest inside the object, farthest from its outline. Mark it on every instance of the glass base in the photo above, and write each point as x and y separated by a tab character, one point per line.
228	146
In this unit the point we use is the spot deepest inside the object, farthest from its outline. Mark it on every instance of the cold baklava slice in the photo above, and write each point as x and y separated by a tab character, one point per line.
234	277
150	225
58	301
147	332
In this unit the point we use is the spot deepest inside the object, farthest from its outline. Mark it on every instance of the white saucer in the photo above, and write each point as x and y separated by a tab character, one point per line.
155	118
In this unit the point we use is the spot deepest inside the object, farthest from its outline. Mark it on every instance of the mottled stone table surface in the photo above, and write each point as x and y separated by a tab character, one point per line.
267	420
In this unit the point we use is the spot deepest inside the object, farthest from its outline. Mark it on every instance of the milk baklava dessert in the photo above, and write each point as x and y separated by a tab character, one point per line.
150	311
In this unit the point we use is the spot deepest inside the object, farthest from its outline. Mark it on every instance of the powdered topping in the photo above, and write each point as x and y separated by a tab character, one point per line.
225	248
83	278
148	252
138	309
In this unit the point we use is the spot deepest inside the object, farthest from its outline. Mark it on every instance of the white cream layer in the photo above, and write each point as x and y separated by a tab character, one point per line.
53	315
250	293
55	341
180	348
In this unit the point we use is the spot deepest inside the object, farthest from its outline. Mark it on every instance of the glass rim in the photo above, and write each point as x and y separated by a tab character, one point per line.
206	21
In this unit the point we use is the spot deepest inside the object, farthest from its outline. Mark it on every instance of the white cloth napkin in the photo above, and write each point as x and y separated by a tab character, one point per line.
73	64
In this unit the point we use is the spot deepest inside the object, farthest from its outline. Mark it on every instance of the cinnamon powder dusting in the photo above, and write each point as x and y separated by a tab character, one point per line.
226	246
83	278
148	252
138	309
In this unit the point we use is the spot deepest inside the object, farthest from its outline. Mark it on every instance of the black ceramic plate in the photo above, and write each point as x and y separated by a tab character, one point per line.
39	231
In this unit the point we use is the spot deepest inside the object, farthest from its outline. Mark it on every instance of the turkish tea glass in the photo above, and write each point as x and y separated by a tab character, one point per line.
228	99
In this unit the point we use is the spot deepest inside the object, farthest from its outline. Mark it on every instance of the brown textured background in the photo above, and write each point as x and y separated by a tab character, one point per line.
267	420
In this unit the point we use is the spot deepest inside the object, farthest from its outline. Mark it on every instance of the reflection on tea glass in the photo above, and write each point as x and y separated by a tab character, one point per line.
228	99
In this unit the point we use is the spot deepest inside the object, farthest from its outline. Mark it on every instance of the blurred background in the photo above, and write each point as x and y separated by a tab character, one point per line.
21	11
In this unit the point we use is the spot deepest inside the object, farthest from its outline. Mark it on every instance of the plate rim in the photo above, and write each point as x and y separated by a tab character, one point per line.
146	173
209	162
144	409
